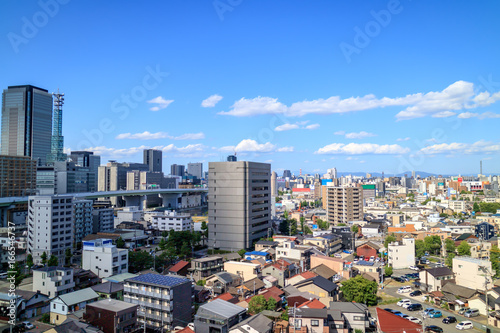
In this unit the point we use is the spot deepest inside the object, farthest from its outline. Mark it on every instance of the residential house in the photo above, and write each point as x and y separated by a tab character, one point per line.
204	267
468	237
326	290
480	249
389	322
53	280
324	271
328	244
481	302
433	279
272	292
282	269
401	254
217	316
220	283
109	289
254	324
246	270
180	268
35	303
307	320
370	270
84	278
263	245
372	229
472	273
356	315
457	296
368	249
335	264
63	305
112	316
297	253
300	277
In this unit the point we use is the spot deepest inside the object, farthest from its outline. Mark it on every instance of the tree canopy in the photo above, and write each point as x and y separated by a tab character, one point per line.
53	261
257	304
389	239
463	249
494	258
360	290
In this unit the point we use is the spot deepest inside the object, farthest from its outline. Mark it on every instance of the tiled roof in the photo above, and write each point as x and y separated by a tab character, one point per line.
308	275
108	287
159	280
389	322
313	304
180	265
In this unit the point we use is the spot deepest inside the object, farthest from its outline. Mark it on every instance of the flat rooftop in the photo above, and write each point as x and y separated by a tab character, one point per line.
112	305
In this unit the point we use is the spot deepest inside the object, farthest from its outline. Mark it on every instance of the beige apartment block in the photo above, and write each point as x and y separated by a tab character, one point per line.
472	273
344	204
245	270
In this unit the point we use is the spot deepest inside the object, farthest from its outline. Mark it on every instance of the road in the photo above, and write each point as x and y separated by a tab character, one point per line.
479	322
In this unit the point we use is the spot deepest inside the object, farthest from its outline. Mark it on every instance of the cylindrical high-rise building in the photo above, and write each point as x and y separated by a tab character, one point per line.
274	189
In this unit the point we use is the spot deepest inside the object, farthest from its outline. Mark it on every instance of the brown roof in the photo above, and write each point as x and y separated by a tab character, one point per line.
389	322
180	265
313	304
324	271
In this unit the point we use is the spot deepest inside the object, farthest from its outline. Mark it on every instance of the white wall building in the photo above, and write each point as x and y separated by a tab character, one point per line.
103	258
53	281
172	220
128	214
50	226
402	254
472	273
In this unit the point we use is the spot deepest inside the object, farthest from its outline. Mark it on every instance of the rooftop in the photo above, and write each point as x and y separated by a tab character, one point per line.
52	268
159	280
78	296
221	308
473	260
113	305
206	259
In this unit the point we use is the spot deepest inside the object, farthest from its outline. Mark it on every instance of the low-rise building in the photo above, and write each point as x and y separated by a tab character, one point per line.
172	220
368	249
472	273
217	316
112	316
433	279
64	305
356	315
103	258
246	270
402	254
205	267
328	244
281	270
219	283
297	253
53	280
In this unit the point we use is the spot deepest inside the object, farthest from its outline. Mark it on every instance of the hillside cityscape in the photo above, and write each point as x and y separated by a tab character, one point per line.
216	168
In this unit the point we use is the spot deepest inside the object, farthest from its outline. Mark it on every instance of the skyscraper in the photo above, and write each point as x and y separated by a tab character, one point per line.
195	170
26	122
57	143
177	170
239	206
287	174
153	158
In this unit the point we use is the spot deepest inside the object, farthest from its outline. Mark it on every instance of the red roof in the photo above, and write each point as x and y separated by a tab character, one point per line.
180	265
389	323
227	297
307	275
186	330
275	290
313	304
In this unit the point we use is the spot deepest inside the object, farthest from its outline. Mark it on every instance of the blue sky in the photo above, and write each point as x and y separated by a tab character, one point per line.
357	85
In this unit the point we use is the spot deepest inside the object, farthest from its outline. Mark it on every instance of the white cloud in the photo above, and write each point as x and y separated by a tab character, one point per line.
126	152
161	103
404	139
160	135
361	148
211	101
339	133
359	135
462	148
286	127
444	114
312	126
297	125
484	115
457	96
249	145
285	149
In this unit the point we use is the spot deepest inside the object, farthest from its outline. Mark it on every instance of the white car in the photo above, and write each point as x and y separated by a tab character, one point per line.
27	325
415	320
415	268
404	301
406	305
465	325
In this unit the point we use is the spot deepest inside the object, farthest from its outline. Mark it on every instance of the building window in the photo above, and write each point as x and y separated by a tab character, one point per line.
298	323
314	322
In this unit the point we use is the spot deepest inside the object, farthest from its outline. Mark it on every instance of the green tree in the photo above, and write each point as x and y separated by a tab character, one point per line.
293	227
323	225
284	314
29	260
163	244
120	243
389	239
53	261
139	261
302	222
419	248
360	290
449	259
271	304
432	244
204	231
18	275
341	224
355	228
257	304
388	270
475	207
449	245
307	230
44	258
68	254
45	318
495	259
186	250
201	282
242	252
463	249
284	227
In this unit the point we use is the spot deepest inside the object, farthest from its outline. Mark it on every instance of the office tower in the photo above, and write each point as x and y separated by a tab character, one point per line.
274	189
153	158
50	226
177	170
57	141
239	206
287	174
195	170
26	122
17	176
165	299
64	177
82	210
232	158
344	204
86	159
113	176
332	173
142	180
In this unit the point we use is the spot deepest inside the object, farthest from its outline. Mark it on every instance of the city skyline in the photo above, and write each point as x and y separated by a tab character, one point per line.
387	87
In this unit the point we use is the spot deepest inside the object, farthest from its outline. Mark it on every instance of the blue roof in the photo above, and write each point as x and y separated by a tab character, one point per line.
256	253
365	263
161	280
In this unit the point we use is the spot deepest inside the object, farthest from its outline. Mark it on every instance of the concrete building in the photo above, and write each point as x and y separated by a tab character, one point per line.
153	159
27	122
246	270
195	170
177	170
64	177
217	316
83	219
142	180
204	267
103	258
113	176
112	316
64	305
239	207
433	279
102	218
402	254
344	204
129	214
297	253
172	220
86	159
274	188
53	280
472	273
163	299
17	176
50	226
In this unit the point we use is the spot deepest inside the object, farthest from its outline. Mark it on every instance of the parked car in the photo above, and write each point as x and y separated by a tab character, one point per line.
414	307
389	310
397	279
420	267
433	328
426	311
415	268
463	310
415	320
416	293
465	325
471	313
406	305
404	289
435	314
397	313
449	320
403	301
27	325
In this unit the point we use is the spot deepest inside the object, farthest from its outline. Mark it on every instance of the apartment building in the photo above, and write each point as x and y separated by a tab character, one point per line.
102	218
112	316
298	253
163	299
17	176
53	281
328	244
82	218
239	206
50	226
402	254
472	273
344	204
246	270
172	220
204	267
103	258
